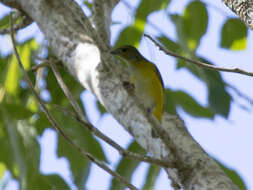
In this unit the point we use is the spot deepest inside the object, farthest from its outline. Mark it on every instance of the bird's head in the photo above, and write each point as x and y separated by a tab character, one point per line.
127	52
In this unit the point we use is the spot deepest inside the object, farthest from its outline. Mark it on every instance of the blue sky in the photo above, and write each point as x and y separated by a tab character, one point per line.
229	141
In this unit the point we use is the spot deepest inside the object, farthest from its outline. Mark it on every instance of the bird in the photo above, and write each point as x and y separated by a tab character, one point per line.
145	78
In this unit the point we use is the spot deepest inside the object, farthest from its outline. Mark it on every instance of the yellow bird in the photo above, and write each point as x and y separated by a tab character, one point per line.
146	79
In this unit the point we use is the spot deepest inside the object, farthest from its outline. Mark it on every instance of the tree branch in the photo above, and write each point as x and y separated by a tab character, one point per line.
198	63
56	126
45	63
122	151
83	120
102	20
12	3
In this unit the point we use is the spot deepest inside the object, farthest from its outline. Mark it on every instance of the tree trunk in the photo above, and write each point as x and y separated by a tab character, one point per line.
84	50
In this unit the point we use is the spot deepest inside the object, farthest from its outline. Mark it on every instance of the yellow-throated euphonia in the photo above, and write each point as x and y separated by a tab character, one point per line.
146	79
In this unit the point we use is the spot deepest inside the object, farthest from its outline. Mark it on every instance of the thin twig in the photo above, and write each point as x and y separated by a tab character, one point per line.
83	120
208	66
54	123
38	66
67	92
45	63
122	151
199	63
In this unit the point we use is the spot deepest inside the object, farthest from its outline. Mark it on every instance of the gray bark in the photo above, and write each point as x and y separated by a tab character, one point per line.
243	9
84	50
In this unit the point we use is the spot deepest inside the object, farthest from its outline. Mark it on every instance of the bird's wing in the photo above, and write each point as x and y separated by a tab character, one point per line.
160	77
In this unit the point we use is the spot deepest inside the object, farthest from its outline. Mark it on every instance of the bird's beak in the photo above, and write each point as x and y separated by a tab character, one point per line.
115	52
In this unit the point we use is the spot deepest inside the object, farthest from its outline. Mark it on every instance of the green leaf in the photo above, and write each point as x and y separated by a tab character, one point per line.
57	95
234	35
147	7
169	105
234	176
55	182
81	179
6	156
181	36
2	169
42	182
3	67
2	128
17	111
13	74
195	23
5	21
190	105
126	167
151	177
23	160
81	136
12	77
132	34
30	149
78	163
191	26
32	104
218	98
40	122
101	108
169	44
75	87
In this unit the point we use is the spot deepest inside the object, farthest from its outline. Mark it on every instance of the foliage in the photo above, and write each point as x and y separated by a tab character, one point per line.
22	122
234	35
126	167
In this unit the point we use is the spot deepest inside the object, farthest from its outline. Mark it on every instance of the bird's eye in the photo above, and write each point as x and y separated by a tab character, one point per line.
124	49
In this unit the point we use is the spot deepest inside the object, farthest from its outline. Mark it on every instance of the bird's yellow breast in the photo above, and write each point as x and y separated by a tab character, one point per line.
148	86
